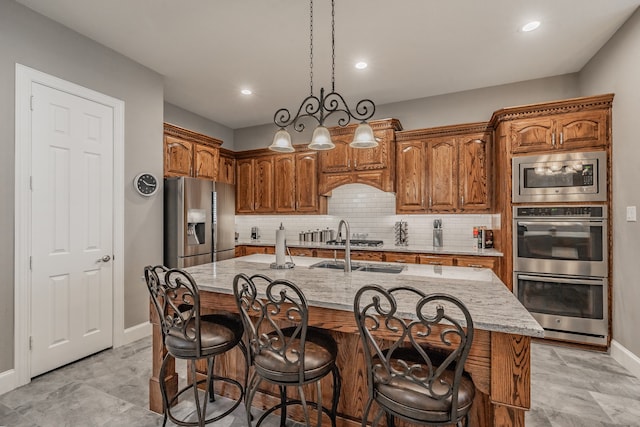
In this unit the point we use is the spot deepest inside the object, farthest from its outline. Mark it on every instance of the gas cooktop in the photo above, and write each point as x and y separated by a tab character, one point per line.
357	242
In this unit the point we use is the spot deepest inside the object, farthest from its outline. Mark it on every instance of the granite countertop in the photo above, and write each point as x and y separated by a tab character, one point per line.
425	249
492	306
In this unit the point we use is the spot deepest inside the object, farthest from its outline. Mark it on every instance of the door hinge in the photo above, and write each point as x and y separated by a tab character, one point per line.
31	183
30	263
30	343
31	103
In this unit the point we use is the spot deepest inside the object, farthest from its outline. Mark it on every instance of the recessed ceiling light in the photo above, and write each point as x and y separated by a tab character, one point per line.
361	65
530	26
246	91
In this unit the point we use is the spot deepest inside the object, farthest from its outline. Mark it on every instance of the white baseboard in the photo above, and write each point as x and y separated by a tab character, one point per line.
133	333
7	381
626	358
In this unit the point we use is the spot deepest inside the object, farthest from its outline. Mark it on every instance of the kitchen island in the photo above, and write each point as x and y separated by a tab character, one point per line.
498	363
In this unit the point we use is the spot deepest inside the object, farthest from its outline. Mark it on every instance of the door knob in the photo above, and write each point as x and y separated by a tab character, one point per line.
105	258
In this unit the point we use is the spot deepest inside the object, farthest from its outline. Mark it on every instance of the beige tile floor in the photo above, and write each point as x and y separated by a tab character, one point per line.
570	388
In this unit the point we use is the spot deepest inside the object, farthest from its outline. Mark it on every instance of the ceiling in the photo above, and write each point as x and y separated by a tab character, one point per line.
208	50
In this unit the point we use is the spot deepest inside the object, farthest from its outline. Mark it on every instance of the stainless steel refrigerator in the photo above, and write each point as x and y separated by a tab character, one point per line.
199	221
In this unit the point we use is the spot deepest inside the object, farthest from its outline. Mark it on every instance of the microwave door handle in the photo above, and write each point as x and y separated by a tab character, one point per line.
592	282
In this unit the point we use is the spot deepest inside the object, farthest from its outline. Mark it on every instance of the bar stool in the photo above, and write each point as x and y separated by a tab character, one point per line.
290	356
188	334
419	375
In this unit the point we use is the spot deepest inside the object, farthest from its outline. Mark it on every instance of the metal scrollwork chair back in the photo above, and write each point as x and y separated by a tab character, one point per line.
283	349
177	302
418	374
189	334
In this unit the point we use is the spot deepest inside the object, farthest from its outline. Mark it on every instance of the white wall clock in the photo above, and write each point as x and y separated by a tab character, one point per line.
146	184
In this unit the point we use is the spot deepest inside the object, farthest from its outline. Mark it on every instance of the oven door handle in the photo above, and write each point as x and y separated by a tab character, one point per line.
558	223
594	282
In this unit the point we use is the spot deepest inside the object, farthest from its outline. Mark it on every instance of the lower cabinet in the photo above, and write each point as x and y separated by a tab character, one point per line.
301	252
477	262
401	257
435	259
398	257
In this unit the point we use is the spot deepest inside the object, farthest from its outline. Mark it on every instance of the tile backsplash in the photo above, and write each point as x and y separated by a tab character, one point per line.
369	212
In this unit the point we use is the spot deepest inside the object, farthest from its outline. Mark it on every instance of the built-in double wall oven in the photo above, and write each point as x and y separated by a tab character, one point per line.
561	269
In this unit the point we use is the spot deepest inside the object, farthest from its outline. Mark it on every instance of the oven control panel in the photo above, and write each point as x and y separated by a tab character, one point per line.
559	211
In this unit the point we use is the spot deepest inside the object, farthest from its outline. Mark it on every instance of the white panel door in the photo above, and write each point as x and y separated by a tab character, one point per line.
72	228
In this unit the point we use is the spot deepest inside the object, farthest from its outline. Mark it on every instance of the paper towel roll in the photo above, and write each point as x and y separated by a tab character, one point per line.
280	250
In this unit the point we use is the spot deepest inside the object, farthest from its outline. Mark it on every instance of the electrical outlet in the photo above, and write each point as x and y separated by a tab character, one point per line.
631	213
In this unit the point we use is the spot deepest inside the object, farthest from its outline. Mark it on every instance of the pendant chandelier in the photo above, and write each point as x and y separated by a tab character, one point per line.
320	108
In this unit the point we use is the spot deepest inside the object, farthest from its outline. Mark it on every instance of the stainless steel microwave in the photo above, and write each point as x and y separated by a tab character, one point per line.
565	177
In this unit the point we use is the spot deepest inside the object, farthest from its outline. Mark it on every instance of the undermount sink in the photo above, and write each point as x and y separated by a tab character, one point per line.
357	266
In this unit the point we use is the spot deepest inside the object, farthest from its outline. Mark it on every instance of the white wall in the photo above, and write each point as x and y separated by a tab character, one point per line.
455	108
188	120
616	68
37	42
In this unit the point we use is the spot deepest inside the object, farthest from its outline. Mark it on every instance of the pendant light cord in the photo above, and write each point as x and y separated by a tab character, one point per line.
311	46
333	46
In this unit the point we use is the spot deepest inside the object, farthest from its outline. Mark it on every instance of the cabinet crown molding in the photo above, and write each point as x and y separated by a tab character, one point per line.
413	134
553	107
189	135
383	124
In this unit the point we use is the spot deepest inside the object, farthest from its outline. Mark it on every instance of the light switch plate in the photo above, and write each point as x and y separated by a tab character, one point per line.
631	213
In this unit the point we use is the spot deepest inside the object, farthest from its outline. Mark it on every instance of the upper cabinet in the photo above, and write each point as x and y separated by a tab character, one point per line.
582	123
188	153
444	169
269	183
372	166
227	167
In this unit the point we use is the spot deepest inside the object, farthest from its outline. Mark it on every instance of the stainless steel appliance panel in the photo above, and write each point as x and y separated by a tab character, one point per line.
571	308
561	177
187	221
567	245
223	221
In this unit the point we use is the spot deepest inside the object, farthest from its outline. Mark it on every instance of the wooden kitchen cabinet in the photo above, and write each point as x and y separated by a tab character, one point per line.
442	174
366	255
269	183
264	185
301	252
476	262
566	131
296	180
474	172
435	259
244	186
250	250
285	183
445	169
255	185
178	156
206	162
227	167
306	179
372	166
188	153
401	257
411	186
330	253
